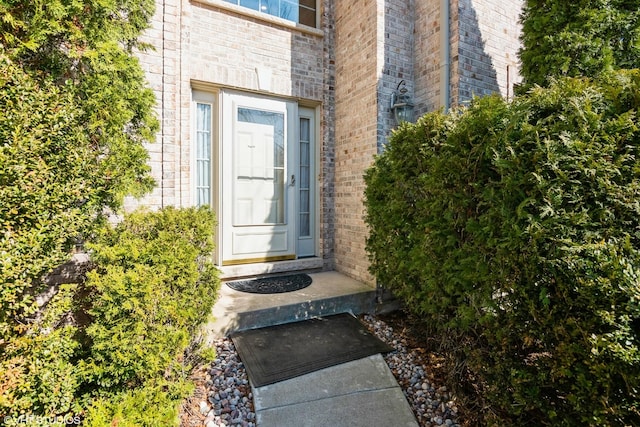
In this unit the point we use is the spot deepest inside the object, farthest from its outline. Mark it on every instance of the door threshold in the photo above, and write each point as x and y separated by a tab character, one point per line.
228	272
257	260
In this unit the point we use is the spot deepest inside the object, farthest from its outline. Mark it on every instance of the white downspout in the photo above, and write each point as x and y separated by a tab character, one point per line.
445	55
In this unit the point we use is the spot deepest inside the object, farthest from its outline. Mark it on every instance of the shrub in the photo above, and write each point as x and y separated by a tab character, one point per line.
155	284
39	376
75	111
44	165
518	225
153	405
117	347
578	38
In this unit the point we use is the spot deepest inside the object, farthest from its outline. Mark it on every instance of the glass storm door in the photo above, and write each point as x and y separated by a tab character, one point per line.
258	189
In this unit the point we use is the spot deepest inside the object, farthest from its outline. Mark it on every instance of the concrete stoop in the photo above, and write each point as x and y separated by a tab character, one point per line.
329	293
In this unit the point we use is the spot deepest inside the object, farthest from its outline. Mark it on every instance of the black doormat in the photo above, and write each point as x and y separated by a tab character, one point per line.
281	352
273	284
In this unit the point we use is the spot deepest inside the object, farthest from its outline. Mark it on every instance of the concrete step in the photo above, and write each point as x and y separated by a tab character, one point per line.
329	293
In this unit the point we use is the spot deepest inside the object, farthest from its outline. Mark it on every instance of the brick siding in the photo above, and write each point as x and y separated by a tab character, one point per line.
328	135
212	43
356	127
488	46
374	46
427	53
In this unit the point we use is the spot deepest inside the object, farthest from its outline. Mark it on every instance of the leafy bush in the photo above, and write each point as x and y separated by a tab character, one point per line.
75	110
44	164
154	286
123	335
39	376
153	405
518	226
578	38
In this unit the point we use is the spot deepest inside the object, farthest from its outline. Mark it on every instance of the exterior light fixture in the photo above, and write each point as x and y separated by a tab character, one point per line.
401	104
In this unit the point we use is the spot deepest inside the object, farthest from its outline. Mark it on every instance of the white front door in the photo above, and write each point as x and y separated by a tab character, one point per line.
258	180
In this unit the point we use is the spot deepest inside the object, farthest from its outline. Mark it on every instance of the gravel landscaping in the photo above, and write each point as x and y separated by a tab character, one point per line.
223	395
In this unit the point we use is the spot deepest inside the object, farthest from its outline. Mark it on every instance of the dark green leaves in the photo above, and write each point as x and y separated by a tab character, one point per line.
75	111
517	225
578	38
122	336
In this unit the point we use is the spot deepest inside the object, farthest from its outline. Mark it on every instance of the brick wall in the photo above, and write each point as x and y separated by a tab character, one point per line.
328	132
215	43
225	48
200	41
356	113
374	52
349	67
396	54
427	52
160	65
487	48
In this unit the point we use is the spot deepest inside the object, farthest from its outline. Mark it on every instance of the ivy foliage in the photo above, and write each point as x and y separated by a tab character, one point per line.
517	226
118	348
578	38
75	111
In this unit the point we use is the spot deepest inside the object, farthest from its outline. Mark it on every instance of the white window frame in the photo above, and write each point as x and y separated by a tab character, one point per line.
210	98
262	10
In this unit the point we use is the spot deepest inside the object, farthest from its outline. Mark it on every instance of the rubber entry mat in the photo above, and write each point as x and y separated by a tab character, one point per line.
281	352
272	285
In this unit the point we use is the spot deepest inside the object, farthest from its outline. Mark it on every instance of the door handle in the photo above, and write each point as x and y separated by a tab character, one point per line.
293	180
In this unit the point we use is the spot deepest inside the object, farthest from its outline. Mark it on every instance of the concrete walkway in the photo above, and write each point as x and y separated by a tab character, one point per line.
362	392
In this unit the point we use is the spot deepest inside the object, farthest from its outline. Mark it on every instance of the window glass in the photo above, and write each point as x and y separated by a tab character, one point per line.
252	4
307	13
203	154
259	169
302	11
304	226
289	10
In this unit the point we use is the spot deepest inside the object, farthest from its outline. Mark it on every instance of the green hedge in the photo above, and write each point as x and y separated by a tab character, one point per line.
156	283
45	163
118	348
517	227
577	38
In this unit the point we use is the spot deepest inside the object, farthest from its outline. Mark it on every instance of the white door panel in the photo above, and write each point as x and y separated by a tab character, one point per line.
245	243
258	203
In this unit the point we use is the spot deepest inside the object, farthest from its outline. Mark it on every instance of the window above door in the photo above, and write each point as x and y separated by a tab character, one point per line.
299	11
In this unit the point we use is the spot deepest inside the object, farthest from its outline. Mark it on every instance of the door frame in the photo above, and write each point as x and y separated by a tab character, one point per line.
220	98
